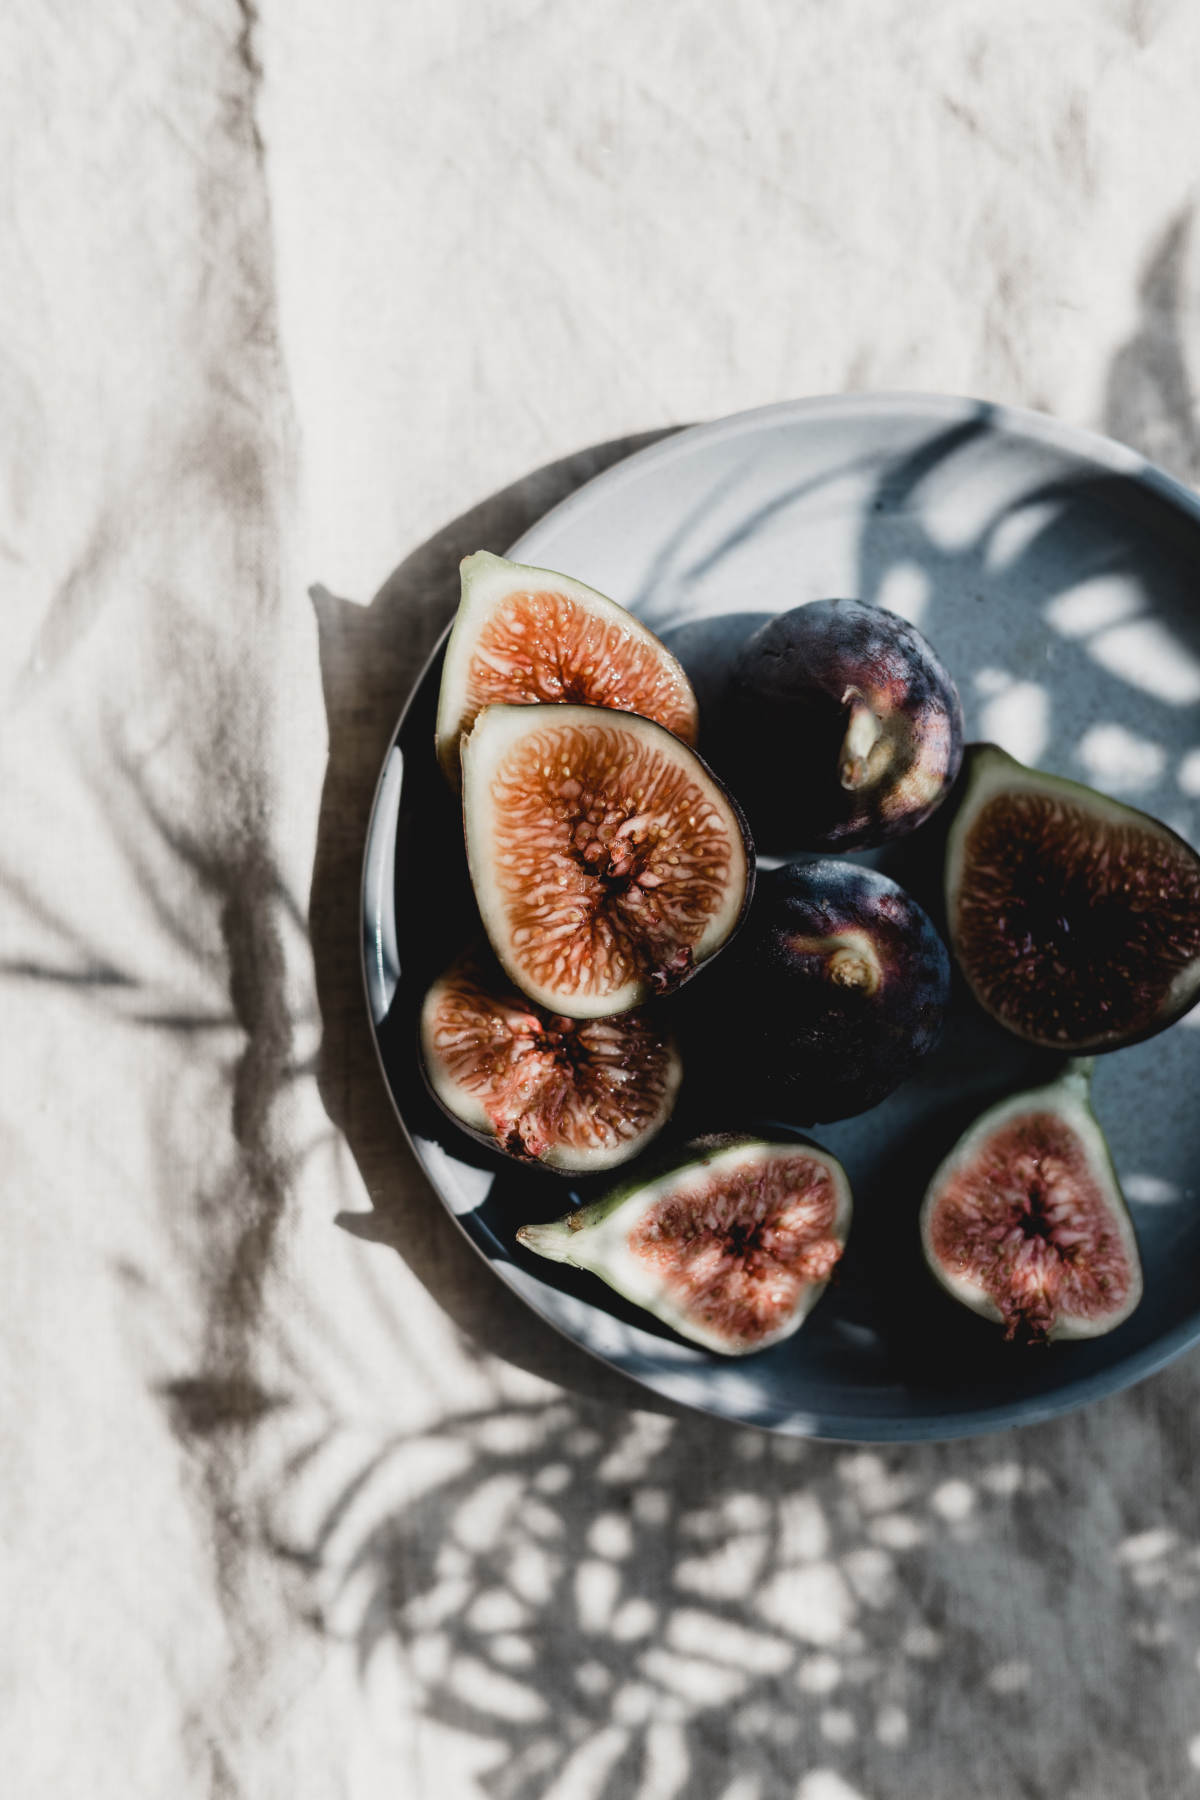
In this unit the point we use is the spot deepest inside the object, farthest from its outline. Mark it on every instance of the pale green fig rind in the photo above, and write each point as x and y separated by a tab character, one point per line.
989	771
1070	1098
594	1238
486	580
468	1110
496	730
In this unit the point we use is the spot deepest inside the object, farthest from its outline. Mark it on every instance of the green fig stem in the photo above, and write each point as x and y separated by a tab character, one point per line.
1078	1074
862	735
553	1241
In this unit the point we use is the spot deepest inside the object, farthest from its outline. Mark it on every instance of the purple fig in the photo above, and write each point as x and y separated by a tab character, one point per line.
839	728
836	989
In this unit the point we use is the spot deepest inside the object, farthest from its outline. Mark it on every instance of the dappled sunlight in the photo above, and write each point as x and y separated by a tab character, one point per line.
1092	605
906	590
1016	530
1117	761
1015	714
788	1620
1149	656
1151	1190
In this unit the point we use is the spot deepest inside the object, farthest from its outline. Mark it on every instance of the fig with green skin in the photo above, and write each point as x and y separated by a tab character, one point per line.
1075	919
607	861
731	1242
836	989
839	728
530	637
1025	1221
575	1095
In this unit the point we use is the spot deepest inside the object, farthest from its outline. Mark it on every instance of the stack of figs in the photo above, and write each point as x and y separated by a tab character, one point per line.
615	870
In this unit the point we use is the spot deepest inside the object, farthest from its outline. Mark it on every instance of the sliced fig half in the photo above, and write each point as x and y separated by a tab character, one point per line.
576	1095
607	861
1025	1221
1076	920
731	1243
530	637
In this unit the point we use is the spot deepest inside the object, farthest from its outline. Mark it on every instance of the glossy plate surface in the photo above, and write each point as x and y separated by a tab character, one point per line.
1058	576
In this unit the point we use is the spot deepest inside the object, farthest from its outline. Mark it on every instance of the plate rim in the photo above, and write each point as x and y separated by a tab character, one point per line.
1027	422
1022	422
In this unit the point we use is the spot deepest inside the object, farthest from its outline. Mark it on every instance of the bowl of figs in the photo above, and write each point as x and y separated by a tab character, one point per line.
781	920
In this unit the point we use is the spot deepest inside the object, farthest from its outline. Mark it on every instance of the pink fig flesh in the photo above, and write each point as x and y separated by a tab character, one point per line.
1028	1224
738	1254
574	1094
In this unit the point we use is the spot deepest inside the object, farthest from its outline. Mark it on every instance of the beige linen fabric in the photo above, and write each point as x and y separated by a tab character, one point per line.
296	1501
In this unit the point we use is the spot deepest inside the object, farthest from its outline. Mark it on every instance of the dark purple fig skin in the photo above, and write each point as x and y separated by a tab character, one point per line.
811	1031
783	718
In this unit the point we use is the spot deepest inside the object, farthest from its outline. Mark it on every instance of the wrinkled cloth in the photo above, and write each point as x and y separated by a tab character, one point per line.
300	305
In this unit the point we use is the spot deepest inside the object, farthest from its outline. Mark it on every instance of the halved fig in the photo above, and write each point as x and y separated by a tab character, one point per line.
527	637
1025	1221
1076	920
839	728
576	1095
731	1242
607	861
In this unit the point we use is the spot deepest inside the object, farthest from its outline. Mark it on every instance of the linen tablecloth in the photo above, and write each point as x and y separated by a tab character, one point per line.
299	305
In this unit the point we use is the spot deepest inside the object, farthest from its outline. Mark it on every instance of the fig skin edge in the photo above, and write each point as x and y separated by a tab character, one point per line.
1068	1099
990	773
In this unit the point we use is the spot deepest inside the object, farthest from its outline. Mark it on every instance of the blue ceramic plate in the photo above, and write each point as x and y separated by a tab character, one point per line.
1057	574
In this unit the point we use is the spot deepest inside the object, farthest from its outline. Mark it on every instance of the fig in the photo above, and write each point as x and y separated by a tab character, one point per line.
731	1242
1025	1221
1075	919
837	987
529	637
840	728
576	1095
607	861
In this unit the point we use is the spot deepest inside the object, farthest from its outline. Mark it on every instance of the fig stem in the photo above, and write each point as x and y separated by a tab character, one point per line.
862	734
1078	1074
552	1240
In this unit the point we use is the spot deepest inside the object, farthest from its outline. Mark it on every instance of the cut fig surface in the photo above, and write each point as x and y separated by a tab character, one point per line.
731	1243
575	1095
1025	1221
1076	920
607	861
530	637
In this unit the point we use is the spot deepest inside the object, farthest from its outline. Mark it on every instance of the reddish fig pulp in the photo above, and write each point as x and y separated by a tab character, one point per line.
608	863
576	1095
731	1243
1076	920
1025	1221
840	728
529	637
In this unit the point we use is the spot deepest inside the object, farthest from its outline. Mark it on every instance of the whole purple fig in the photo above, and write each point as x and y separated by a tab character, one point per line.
836	989
839	728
